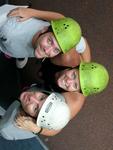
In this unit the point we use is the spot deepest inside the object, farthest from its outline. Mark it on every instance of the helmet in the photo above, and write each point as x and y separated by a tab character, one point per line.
67	32
93	78
55	113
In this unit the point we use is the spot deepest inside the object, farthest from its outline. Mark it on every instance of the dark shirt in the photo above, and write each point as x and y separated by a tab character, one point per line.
49	70
42	73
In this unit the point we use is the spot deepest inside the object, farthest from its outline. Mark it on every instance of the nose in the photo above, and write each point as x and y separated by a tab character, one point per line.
47	50
69	81
34	99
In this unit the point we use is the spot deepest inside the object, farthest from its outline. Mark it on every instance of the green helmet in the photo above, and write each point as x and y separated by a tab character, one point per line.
93	78
67	32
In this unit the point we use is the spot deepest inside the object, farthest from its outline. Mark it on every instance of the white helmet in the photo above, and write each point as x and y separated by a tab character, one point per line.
55	113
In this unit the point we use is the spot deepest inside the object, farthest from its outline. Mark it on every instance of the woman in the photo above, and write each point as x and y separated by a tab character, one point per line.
91	76
71	57
35	103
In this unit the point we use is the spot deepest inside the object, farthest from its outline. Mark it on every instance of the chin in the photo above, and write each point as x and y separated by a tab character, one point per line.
37	55
58	83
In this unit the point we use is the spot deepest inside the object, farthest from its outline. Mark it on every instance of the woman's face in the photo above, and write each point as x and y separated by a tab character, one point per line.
32	102
46	46
68	80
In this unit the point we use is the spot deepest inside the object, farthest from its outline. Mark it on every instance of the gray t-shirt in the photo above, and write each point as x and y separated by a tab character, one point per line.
8	129
16	37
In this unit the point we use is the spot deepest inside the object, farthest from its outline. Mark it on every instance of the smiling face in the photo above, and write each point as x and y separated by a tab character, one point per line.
46	46
32	102
68	80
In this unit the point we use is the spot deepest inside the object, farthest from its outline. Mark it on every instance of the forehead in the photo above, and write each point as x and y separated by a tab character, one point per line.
33	92
40	93
51	34
71	70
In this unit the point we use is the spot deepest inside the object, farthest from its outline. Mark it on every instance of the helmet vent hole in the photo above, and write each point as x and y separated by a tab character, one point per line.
53	99
96	89
66	26
93	66
86	90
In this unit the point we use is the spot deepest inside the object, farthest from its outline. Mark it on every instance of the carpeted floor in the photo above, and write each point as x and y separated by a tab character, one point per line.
92	129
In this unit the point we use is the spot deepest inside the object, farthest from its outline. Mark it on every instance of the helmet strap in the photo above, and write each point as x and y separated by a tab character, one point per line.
43	59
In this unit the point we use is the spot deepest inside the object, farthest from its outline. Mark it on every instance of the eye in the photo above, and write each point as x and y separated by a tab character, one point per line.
42	97
73	75
56	50
35	109
49	41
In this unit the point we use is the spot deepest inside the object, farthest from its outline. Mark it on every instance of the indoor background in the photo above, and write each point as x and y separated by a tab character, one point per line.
92	128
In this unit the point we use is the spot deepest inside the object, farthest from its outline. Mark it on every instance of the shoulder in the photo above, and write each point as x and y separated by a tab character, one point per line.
75	101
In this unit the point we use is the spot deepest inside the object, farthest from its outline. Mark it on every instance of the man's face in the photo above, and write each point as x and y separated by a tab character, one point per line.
46	46
69	80
32	102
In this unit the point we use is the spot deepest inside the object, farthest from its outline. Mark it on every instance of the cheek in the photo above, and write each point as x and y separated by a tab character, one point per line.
59	79
28	110
42	40
62	76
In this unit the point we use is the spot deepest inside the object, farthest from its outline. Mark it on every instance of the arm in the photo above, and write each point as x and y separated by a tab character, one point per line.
26	13
70	59
28	123
73	58
86	55
75	101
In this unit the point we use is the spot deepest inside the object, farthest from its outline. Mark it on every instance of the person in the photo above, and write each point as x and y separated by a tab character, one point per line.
41	113
38	38
88	78
35	37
